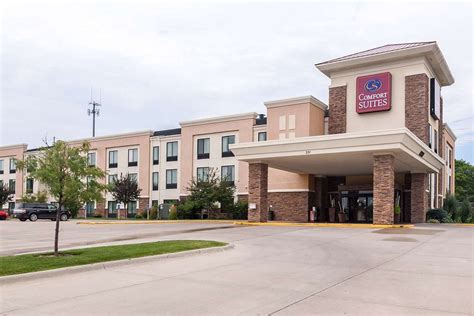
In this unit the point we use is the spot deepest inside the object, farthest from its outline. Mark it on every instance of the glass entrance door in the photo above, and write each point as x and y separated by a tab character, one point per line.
357	206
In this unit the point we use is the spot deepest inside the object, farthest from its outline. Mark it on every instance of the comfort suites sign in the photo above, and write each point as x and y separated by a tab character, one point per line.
374	93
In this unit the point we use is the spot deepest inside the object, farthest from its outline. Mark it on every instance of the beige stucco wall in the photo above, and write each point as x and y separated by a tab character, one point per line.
6	153
448	140
102	145
309	122
395	117
242	129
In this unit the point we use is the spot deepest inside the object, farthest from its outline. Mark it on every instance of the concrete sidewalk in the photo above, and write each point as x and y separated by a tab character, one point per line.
276	270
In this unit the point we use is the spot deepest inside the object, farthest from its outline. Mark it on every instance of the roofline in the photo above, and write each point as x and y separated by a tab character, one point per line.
297	100
430	50
113	136
13	146
450	131
220	119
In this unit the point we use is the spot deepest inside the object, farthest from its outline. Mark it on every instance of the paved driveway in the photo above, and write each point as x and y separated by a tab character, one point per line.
275	270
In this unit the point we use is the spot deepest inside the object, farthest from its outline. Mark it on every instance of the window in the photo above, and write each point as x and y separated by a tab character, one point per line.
12	165
435	141
112	178
171	178
132	209
155	178
1	166
29	185
430	136
111	209
172	151
113	159
156	155
203	145
90	208
203	174
226	141
154	203
1	183
450	157
11	185
91	159
133	157
262	136
228	174
133	177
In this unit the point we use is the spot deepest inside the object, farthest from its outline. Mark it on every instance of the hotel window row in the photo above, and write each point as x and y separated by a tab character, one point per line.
227	174
12	166
204	147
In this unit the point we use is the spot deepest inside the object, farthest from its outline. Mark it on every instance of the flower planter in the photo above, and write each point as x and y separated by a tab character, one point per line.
332	214
341	217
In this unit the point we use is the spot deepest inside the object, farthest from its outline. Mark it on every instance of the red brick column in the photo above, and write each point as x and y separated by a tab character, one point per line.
337	110
419	197
417	106
258	192
384	189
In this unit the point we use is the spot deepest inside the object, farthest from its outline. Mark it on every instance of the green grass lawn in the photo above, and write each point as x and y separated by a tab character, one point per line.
46	261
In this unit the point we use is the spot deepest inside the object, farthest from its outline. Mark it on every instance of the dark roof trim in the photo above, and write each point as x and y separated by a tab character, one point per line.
168	132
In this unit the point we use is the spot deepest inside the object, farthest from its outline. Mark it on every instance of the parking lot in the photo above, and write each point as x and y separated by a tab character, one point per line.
272	270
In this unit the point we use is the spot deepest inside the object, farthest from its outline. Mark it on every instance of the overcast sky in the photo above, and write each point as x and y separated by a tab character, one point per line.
159	63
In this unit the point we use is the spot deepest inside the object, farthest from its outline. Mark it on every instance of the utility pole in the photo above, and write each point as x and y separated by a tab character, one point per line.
94	111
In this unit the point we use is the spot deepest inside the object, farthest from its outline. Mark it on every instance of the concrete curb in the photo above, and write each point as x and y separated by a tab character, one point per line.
153	222
108	264
334	225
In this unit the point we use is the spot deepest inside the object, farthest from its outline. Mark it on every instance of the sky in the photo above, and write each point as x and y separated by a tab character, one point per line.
153	64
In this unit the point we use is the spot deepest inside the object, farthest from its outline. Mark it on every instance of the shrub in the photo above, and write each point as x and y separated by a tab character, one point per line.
98	215
139	216
450	205
154	212
465	211
438	214
433	221
173	215
240	210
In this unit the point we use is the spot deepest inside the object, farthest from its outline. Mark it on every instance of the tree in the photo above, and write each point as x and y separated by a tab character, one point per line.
40	197
5	195
464	180
206	194
65	171
125	189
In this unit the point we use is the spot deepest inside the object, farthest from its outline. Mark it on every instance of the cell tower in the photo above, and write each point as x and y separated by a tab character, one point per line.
94	111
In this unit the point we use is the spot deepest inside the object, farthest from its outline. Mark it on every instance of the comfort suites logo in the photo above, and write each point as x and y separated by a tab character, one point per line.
374	93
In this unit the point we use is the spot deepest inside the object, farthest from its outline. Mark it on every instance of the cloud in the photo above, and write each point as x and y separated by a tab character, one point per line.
158	63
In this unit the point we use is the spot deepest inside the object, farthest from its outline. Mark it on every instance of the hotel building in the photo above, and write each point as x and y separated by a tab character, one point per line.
379	144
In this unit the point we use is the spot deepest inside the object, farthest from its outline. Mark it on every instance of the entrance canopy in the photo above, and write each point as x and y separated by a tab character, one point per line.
342	154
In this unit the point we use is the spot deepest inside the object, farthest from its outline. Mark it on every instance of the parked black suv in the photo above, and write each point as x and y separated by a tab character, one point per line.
34	211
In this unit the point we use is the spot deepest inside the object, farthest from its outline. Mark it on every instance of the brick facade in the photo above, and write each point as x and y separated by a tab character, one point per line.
258	192
384	186
143	204
337	110
417	106
291	206
100	209
419	197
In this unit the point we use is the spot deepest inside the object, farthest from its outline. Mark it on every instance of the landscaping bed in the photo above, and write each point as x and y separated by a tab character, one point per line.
68	258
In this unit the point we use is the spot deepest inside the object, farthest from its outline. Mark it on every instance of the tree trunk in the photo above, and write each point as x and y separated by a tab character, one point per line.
56	232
